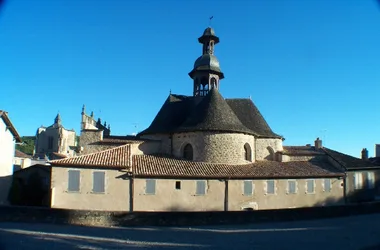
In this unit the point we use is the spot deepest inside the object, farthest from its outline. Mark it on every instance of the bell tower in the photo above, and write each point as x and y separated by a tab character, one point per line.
206	73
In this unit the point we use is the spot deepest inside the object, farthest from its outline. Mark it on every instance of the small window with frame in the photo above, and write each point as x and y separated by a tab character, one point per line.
178	185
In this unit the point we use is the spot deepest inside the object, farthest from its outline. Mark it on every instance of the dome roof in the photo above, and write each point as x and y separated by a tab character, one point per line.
209	32
207	62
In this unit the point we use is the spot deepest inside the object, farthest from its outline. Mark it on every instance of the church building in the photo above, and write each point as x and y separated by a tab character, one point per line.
201	153
55	141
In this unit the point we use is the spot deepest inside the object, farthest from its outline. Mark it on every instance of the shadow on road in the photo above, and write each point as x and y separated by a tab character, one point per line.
347	233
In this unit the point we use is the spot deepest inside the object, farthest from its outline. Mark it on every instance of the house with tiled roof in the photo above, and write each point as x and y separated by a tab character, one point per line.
8	139
200	153
55	139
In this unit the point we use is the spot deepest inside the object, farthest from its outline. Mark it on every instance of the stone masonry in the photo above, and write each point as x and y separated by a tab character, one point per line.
212	147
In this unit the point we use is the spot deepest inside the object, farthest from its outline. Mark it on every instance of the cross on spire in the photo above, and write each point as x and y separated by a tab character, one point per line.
211	17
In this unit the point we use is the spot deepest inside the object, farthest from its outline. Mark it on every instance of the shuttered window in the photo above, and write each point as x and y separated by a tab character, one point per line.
201	188
327	185
358	181
370	180
98	182
73	180
150	187
292	187
310	186
248	188
270	187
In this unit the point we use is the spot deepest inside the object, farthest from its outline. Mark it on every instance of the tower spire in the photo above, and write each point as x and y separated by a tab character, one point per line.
206	73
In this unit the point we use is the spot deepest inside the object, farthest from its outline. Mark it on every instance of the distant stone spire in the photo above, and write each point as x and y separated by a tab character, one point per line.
57	119
83	109
105	124
92	114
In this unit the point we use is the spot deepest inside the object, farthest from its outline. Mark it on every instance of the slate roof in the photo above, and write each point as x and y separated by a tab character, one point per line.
212	113
301	151
118	157
349	162
8	123
250	116
159	166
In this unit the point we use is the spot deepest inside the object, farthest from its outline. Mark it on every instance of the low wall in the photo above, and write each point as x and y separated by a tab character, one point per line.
104	218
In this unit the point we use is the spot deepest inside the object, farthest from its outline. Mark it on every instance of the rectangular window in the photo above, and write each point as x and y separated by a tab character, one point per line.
178	185
98	182
358	181
150	187
292	186
248	188
270	187
310	186
73	181
327	185
50	142
370	180
201	188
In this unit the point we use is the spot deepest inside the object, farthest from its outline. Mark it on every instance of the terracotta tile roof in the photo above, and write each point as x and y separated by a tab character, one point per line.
20	154
159	166
4	116
118	157
301	150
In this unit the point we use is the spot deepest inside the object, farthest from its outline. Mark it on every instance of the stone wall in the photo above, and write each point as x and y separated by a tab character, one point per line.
267	148
287	158
164	140
212	147
87	140
107	218
148	147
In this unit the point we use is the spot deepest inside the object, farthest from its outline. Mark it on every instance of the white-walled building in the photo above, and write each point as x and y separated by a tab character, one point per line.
8	137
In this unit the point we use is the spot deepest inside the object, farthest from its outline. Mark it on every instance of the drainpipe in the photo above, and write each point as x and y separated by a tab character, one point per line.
131	192
345	188
226	195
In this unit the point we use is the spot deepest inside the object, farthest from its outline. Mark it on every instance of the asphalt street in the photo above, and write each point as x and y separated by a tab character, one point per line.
359	232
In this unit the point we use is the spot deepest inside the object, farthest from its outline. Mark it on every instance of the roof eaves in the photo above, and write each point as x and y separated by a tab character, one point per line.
8	123
103	166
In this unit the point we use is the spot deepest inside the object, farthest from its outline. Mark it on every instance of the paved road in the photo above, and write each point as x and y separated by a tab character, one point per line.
359	233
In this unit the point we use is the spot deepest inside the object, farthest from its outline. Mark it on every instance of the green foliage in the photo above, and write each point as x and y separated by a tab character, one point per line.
28	145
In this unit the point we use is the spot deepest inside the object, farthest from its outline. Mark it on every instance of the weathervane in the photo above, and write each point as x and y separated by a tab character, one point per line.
211	17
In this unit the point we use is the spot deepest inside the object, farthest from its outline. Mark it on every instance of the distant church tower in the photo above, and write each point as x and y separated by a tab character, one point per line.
206	73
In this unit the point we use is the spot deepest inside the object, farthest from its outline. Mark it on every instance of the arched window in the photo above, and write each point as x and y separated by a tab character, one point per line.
188	152
247	152
213	82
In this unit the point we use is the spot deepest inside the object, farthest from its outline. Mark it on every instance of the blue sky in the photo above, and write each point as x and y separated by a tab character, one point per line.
311	67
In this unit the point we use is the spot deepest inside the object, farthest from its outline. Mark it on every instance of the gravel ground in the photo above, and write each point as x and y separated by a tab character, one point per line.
359	232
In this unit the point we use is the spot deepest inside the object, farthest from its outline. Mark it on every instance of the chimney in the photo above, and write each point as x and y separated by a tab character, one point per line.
377	150
364	154
318	143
